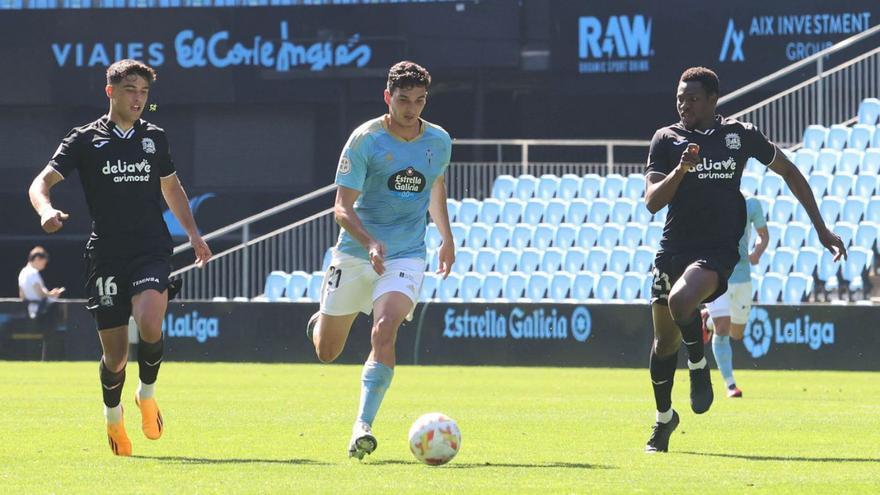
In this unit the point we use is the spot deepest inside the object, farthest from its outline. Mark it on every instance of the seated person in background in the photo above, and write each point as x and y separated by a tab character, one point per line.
30	284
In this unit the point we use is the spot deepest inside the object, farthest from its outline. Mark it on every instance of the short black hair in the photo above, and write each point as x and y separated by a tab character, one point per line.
406	74
121	69
37	252
705	76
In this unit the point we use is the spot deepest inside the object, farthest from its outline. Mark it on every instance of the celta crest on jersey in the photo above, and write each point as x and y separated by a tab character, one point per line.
344	166
409	180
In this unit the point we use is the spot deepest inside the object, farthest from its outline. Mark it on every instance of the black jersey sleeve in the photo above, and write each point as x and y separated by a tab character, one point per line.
68	156
658	155
759	147
163	155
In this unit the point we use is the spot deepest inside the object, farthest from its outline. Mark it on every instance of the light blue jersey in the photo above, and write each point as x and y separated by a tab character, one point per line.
395	179
742	272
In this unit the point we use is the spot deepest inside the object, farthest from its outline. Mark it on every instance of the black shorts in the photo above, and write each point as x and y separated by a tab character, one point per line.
111	282
669	267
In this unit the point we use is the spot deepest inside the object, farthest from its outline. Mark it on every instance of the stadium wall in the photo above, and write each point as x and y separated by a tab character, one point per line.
823	337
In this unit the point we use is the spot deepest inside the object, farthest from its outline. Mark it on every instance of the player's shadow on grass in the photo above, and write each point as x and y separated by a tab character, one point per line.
784	458
473	465
200	460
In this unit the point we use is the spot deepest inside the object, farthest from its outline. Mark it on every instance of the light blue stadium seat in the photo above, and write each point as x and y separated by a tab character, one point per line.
800	214
536	289
577	211
630	287
850	159
860	137
276	283
854	209
846	231
647	285
499	236
591	186
316	281
819	183
858	260
797	288
771	288
872	212
569	185
609	235
521	236
622	211
643	259
775	229
543	236
783	209
551	261
660	216
632	235
837	137
805	160
830	208
512	211
574	260
795	234
429	286
866	235
478	234
866	185
588	235
328	257
753	166
515	286
490	211
503	187
749	184
875	141
635	187
618	261
493	286
433	259
766	204
597	259
566	235
827	160
529	261
807	260
485	260
783	260
763	262
448	288
560	286
583	286
641	214
468	210
827	271
526	185
613	187
554	211
871	160
464	260
297	285
459	233
869	110
607	286
841	185
547	186
533	212
507	260
653	234
470	287
771	185
452	208
814	137
599	211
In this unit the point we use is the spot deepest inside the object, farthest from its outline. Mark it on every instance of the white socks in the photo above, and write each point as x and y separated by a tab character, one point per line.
145	391
698	365
113	414
664	417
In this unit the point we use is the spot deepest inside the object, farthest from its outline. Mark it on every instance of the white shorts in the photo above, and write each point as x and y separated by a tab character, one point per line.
735	303
351	285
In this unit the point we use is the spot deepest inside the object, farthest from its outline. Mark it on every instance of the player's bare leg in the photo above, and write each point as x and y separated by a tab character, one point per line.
148	310
329	334
114	342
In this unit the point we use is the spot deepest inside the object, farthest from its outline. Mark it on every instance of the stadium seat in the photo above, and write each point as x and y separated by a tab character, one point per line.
866	235
547	186
827	268
503	187
499	236
841	185
448	287
850	159
470	287
490	211
632	235
814	137
521	236
485	260
807	260
433	239
551	260
276	283
543	236
493	286
858	260
647	286
464	260
783	209
560	286
569	185
795	234
515	286
468	210
566	235
609	235
554	211
297	285
599	211
846	231
771	185
613	186
591	186
577	212
630	287
643	259
875	141
529	261
618	261
753	166
653	234
775	231
797	288
660	216
783	261
622	211
452	206
583	285
871	160
872	212
574	260
800	214
507	260
819	183
766	204
641	214
316	281
429	286
763	262
607	286
860	137
459	233
432	257
869	110
749	184
512	211
533	212
525	187
805	160
477	236
771	288
597	259
588	235
634	188
538	284
837	137
826	161
854	209
830	208
866	185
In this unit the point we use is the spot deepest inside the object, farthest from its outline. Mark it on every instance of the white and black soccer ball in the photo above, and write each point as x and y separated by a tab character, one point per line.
434	439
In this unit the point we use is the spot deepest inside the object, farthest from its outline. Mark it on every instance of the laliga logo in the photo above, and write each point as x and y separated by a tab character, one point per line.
191	325
758	333
761	330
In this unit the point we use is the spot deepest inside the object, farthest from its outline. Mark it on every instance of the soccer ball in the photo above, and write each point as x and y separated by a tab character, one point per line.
434	439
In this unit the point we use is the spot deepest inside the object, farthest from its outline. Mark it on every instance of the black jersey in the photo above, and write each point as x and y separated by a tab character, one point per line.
120	173
708	211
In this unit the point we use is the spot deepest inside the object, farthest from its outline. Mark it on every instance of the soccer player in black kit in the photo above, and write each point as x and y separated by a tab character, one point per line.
695	167
125	169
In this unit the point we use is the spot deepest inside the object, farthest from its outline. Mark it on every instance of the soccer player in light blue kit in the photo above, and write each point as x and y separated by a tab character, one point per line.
390	173
727	315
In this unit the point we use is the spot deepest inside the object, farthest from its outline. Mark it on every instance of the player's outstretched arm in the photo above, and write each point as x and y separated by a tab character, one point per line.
175	196
50	218
801	190
440	216
760	244
661	188
346	217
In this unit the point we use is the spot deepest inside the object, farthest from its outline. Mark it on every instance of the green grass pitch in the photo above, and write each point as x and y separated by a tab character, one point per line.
252	428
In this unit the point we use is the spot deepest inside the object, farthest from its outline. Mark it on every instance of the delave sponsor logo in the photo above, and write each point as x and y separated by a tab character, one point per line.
128	172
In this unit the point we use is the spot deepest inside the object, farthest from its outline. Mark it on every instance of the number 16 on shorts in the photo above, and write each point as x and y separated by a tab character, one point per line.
106	288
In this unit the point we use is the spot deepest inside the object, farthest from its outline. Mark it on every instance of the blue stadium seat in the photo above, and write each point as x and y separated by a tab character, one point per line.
588	235
478	234
433	259
560	286
647	285
632	235
554	211
547	186
860	137
452	208
613	186
850	159
536	289
583	286
795	234
622	211
827	161
875	141
459	233
609	235
618	261
551	260
871	160
643	259
597	258
753	166
464	260
316	281
872	212
814	137
749	184
630	287
783	260
577	212
493	286
499	236
526	185
830	208
846	231
866	185
641	214
507	260
515	286
800	214
854	209
607	286
797	288
783	209
763	262
543	236
468	210
276	283
429	286
512	211
574	260
470	287
805	160
766	204
591	186
503	187
490	211
653	234
869	110
771	288
866	235
533	212
521	236
858	260
529	261
448	288
599	211
297	285
660	216
837	137
566	235
771	185
775	231
807	260
328	257
841	185
635	187
569	185
819	182
485	260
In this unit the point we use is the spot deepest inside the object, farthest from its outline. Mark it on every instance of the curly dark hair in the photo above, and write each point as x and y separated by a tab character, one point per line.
406	74
121	69
705	76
